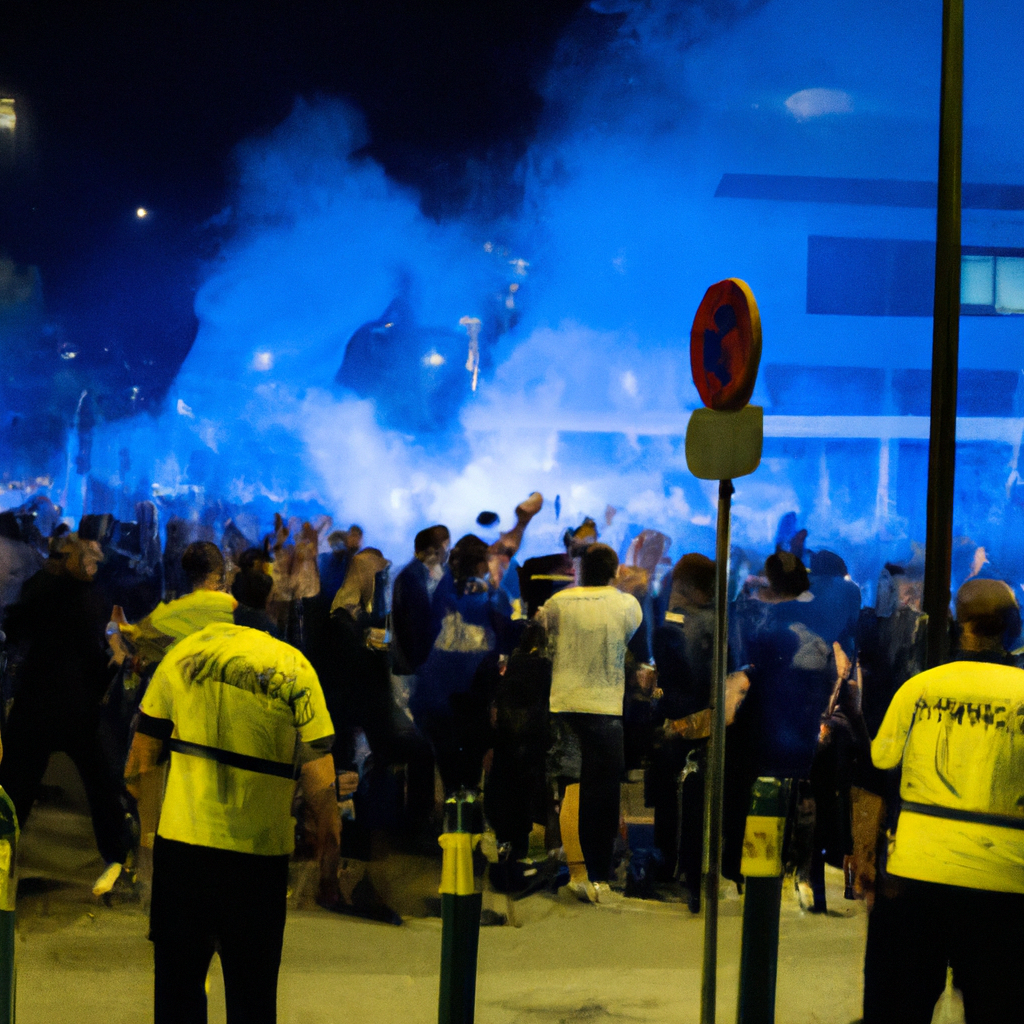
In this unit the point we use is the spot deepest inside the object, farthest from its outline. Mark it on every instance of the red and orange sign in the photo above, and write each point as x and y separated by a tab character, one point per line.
725	345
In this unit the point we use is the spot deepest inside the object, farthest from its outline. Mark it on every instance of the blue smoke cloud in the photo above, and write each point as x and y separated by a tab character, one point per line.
584	299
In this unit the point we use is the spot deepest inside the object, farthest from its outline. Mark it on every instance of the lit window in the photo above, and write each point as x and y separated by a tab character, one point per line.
976	280
1009	284
8	119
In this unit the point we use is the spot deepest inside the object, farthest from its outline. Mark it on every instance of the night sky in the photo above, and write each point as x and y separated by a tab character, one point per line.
131	104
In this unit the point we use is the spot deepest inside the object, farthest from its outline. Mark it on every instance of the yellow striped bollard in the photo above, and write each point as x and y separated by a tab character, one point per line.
460	908
762	869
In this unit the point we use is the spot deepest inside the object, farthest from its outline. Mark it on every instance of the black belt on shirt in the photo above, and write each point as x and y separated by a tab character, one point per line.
955	814
234	760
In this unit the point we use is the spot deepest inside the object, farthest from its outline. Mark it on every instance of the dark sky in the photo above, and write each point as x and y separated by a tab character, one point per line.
141	103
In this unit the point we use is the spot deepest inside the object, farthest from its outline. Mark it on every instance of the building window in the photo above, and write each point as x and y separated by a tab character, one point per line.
991	285
896	277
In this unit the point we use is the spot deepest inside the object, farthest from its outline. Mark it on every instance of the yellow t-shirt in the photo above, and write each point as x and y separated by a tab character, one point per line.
244	709
959	731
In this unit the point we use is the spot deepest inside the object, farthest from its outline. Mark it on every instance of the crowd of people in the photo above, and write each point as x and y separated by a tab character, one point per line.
193	683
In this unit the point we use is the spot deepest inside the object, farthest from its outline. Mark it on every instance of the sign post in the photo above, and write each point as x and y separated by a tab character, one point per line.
723	441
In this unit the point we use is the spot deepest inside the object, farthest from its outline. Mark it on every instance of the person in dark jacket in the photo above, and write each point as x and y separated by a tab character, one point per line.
412	622
59	625
516	795
683	655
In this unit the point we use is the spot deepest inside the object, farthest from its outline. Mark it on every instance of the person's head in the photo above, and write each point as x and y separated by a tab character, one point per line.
354	538
578	540
786	576
431	546
254	558
468	560
600	566
252	587
827	563
987	615
203	565
77	558
693	581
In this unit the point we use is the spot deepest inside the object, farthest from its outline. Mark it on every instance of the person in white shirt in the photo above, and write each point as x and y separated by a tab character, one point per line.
588	628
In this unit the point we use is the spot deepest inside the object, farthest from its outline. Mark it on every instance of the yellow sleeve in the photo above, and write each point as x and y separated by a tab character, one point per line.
887	747
158	700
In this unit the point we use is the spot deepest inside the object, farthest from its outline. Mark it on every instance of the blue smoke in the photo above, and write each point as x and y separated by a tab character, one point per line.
342	332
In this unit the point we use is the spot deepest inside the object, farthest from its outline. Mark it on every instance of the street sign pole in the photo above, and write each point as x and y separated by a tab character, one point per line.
723	441
711	868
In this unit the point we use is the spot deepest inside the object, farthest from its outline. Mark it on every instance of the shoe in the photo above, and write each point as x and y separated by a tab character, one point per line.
106	881
585	892
606	895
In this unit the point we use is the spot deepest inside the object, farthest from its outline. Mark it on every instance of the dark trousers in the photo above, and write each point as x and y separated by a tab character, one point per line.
30	738
601	766
668	758
207	900
459	738
516	794
916	928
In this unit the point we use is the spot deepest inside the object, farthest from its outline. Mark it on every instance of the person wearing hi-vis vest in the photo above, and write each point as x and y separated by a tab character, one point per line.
244	716
954	893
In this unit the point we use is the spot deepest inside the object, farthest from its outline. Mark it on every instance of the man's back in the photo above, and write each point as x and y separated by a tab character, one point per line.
959	731
241	703
588	629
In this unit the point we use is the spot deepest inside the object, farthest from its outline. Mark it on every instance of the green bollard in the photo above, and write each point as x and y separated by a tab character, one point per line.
460	909
9	832
763	871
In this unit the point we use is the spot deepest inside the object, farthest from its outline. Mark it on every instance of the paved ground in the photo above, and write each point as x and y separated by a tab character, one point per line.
81	960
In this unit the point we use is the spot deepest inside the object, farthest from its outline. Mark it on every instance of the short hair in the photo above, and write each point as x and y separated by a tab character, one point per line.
431	537
200	560
827	563
787	574
697	572
989	607
599	565
253	558
252	588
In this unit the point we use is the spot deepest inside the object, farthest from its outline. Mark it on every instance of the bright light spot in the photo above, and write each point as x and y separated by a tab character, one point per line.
519	266
433	358
8	119
69	353
510	303
513	287
263	361
488	247
630	384
184	410
141	212
815	102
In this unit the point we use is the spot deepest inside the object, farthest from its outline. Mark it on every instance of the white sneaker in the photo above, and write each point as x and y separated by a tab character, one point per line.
585	892
106	881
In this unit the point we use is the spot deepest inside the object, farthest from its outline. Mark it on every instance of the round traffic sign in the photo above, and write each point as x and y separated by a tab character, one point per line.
725	345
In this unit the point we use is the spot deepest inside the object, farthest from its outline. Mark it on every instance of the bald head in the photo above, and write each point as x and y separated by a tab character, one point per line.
986	610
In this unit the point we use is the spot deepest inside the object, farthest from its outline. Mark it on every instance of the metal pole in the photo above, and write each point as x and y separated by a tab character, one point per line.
945	338
712	862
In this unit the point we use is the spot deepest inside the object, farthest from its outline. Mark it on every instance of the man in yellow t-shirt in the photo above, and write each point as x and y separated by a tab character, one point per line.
956	864
244	716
